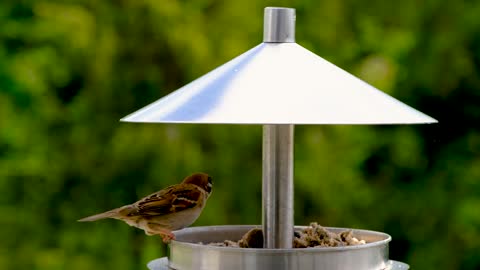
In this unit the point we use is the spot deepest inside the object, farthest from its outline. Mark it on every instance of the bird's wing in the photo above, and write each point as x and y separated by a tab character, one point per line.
172	199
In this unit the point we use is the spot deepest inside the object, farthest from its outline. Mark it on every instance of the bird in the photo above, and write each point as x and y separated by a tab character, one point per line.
172	208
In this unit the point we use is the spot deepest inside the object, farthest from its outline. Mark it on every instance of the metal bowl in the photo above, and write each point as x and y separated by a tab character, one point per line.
187	254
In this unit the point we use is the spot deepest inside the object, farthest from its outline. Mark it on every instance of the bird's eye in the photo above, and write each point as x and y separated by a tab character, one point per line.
209	179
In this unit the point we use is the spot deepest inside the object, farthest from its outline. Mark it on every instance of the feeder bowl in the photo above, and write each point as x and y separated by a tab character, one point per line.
189	252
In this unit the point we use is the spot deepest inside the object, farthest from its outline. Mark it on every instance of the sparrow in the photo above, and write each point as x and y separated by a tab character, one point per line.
172	208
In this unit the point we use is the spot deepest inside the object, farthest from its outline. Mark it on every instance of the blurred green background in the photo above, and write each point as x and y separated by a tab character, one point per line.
69	70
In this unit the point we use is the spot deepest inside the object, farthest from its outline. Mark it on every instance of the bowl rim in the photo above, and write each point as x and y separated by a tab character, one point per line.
213	229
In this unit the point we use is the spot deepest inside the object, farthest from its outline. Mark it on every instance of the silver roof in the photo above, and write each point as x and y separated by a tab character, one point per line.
278	83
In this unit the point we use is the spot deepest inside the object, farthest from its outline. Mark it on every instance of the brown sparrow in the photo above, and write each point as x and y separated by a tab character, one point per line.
169	209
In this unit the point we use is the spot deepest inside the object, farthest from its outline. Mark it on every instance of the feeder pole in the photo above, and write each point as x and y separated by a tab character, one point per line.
277	219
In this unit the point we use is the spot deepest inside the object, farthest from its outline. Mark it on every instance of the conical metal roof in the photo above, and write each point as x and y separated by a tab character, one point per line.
278	83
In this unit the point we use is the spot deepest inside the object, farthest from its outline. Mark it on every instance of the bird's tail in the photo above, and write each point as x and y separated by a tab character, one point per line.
108	214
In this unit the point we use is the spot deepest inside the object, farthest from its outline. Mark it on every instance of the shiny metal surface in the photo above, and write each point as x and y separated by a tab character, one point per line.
158	264
279	83
394	265
162	264
186	254
279	24
277	195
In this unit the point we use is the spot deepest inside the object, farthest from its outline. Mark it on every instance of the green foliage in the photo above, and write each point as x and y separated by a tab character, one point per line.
70	69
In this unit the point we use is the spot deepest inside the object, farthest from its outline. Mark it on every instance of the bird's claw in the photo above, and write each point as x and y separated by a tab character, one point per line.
167	238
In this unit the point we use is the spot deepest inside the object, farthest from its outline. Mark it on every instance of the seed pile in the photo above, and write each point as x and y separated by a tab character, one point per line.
317	236
252	239
313	236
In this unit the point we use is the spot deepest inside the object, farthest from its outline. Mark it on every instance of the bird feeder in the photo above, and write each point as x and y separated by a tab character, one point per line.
277	84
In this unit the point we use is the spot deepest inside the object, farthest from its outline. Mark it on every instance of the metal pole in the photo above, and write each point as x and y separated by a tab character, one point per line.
278	186
279	27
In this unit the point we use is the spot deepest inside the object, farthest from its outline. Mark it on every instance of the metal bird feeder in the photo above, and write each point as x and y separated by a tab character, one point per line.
282	84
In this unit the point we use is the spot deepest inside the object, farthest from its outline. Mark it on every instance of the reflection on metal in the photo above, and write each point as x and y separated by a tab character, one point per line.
394	265
278	83
158	264
279	25
278	186
187	254
162	264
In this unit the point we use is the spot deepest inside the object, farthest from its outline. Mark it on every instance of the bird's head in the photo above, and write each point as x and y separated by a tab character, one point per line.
202	180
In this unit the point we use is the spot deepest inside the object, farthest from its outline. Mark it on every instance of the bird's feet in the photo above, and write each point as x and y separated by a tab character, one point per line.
167	237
